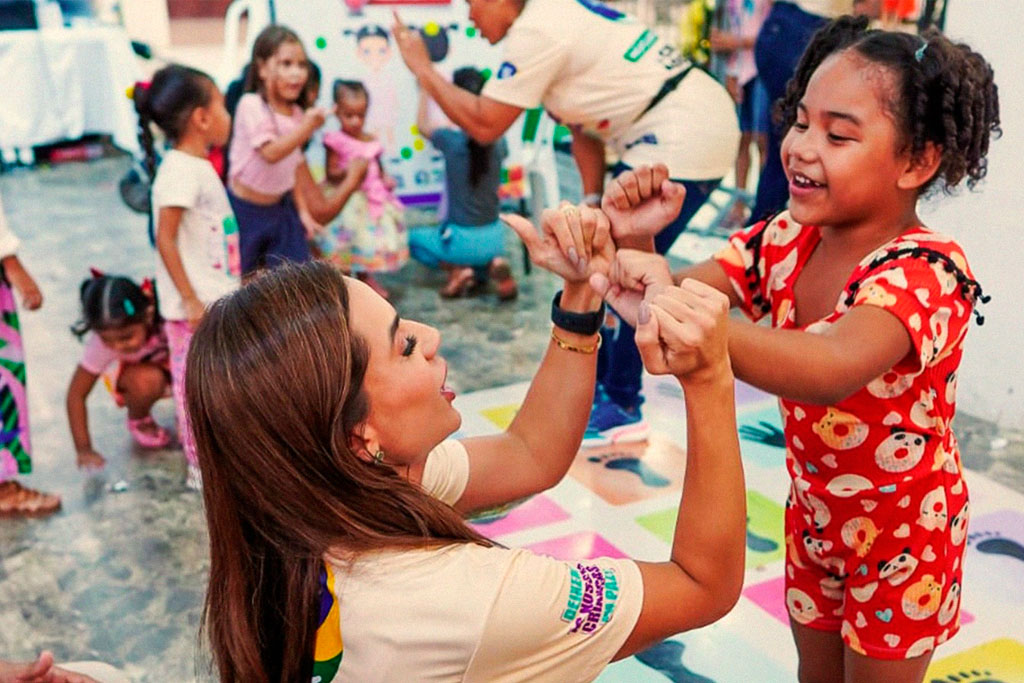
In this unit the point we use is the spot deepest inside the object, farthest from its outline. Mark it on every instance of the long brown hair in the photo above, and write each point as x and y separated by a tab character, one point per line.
274	394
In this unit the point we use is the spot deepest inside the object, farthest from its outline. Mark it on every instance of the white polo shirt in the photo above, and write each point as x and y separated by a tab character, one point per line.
597	69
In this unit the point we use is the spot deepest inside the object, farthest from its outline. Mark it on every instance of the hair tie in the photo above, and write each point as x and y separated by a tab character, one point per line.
129	308
96	273
919	53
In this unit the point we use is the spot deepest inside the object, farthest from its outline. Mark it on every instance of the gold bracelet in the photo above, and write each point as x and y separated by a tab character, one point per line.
566	346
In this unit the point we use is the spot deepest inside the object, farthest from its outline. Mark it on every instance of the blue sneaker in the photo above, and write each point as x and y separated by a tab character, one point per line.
610	423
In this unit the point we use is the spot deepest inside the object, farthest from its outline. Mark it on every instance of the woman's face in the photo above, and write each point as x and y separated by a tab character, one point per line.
493	18
410	406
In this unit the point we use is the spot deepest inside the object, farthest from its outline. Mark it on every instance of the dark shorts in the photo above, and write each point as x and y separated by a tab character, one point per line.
269	235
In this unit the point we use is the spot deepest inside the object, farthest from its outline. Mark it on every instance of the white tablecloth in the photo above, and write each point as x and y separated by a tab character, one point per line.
61	83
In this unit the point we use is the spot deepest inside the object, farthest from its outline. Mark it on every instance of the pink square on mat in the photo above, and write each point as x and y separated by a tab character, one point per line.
584	545
535	512
770	596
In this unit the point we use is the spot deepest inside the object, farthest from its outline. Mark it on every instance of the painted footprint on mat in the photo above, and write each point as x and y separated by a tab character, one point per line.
991	543
760	544
972	676
667	658
629	463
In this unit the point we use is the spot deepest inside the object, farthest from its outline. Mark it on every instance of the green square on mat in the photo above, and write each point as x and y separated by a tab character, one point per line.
765	523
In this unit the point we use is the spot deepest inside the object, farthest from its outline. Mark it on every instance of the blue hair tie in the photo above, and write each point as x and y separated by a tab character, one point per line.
919	53
129	308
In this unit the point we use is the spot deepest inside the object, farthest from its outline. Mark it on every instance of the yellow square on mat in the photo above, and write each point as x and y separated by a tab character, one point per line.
999	661
501	416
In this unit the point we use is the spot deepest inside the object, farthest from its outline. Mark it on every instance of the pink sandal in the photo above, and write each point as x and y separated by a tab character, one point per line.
147	433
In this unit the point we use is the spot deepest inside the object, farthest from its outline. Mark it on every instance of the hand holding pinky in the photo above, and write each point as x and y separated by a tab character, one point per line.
681	331
641	202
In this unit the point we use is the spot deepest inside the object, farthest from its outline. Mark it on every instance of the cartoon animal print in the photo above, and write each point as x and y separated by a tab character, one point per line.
802	607
933	510
840	430
921	599
901	451
958	527
950	604
890	384
922	413
898	569
859	534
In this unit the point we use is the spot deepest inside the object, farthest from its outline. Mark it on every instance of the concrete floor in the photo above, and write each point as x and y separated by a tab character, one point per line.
119	574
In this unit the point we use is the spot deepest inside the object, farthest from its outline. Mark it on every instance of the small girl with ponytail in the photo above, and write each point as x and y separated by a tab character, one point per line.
196	234
125	346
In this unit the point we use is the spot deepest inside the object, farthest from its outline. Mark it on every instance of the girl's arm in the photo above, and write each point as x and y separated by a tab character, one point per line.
482	118
322	208
536	450
332	169
685	333
822	368
589	154
283	145
81	385
168	222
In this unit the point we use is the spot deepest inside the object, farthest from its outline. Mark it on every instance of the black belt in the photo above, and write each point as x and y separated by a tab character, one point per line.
666	87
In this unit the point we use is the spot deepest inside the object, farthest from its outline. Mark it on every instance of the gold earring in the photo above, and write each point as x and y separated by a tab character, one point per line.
378	457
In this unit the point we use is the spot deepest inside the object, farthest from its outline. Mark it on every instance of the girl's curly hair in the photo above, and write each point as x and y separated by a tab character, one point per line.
944	93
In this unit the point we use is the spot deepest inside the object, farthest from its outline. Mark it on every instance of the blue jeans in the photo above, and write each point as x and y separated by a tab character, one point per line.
783	38
458	245
619	366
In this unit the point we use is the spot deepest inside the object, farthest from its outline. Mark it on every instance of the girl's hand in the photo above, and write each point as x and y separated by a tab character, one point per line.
633	277
90	460
411	47
194	311
682	332
314	117
573	241
641	202
28	290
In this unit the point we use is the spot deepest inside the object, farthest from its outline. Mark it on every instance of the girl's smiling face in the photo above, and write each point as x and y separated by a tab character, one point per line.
284	75
410	407
844	156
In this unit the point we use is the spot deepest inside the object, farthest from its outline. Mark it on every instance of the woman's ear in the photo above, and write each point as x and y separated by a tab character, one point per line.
921	168
364	442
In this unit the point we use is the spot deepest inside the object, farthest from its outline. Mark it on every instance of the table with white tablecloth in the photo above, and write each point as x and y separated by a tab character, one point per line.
62	83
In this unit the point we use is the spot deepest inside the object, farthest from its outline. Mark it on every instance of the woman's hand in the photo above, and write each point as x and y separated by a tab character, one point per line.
573	241
641	202
633	277
682	332
411	47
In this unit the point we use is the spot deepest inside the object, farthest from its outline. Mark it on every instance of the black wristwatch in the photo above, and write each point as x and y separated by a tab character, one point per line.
578	323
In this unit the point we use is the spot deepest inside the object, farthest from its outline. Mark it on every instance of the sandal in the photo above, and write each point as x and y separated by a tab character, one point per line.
504	282
147	433
19	501
461	284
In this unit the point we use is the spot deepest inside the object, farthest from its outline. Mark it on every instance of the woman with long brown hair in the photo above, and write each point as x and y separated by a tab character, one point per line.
334	495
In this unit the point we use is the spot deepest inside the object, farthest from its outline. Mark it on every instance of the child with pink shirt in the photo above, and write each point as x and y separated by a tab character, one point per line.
127	348
370	235
266	161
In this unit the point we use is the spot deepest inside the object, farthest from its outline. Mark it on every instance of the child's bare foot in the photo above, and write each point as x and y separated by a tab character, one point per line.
19	501
374	284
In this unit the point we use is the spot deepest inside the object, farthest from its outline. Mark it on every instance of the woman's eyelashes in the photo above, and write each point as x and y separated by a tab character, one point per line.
410	345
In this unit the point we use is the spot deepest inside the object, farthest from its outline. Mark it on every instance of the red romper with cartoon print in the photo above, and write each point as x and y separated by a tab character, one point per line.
877	511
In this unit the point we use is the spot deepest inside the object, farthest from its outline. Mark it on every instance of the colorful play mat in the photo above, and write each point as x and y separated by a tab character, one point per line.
621	500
